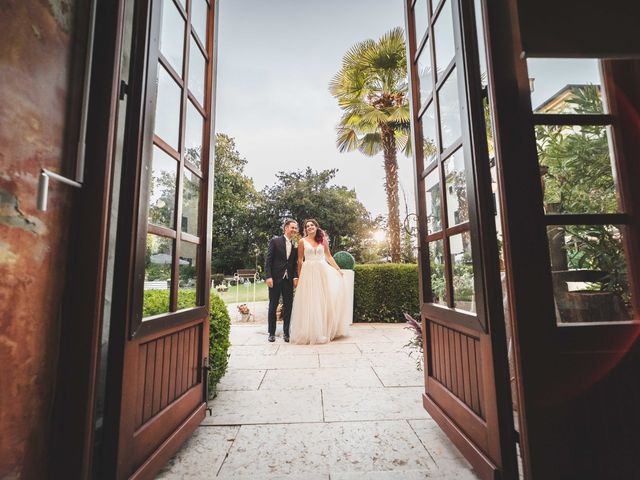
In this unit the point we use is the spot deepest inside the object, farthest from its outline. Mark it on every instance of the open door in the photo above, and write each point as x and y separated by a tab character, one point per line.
159	341
466	369
571	247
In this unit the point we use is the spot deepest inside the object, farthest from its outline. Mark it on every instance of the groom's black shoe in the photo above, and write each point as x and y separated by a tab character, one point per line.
272	338
286	338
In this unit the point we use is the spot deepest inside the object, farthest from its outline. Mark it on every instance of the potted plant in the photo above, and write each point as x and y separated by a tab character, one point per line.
577	178
595	256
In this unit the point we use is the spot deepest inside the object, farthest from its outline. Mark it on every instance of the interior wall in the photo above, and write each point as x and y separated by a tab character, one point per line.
35	51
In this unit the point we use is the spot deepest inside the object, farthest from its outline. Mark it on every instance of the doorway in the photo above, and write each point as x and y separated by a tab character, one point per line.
467	380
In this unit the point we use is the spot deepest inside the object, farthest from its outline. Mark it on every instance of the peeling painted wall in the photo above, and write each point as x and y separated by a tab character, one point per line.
35	48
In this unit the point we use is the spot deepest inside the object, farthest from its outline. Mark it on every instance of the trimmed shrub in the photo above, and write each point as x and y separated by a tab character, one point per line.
384	292
217	278
219	328
157	301
345	260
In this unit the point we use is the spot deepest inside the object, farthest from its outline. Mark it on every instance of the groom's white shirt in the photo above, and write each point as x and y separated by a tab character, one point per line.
288	247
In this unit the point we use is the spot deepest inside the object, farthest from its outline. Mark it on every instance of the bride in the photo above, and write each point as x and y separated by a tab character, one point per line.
319	305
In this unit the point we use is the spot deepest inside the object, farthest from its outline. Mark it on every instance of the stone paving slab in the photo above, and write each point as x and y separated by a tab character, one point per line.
365	360
319	378
353	404
273	362
437	443
265	406
254	350
380	347
333	347
241	380
343	360
202	455
391	475
325	448
399	376
383	359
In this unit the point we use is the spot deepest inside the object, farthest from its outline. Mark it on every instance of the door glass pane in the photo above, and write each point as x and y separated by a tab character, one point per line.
456	186
443	36
433	197
421	14
436	262
576	167
172	35
167	119
429	143
449	111
188	275
162	189
199	14
193	135
190	202
197	71
482	54
565	85
425	73
158	261
462	266
589	273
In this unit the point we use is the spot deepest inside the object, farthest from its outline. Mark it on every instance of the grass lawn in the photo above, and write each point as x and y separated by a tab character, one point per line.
245	294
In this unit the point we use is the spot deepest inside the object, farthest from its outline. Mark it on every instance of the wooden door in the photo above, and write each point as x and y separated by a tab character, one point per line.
156	392
576	357
466	369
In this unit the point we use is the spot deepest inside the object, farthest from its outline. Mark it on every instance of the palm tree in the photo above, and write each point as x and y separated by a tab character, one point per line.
371	88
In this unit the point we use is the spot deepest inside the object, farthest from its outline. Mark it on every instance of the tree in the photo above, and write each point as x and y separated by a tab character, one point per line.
309	194
578	178
371	88
234	203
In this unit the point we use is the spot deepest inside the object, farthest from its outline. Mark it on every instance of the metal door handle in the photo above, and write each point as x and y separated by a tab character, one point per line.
43	181
43	186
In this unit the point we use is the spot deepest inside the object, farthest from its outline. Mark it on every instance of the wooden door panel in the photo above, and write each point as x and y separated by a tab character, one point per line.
153	380
458	372
464	341
163	453
151	435
475	427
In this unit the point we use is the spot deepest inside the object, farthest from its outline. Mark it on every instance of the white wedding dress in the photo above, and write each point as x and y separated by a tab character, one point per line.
319	305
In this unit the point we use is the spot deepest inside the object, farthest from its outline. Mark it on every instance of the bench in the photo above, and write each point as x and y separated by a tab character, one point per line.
156	285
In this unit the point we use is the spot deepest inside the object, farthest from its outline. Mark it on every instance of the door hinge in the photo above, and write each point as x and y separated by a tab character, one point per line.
205	381
124	89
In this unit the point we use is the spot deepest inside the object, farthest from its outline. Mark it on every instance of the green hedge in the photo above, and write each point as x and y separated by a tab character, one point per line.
383	292
219	328
157	301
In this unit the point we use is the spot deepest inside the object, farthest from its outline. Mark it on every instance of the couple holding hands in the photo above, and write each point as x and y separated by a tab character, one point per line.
318	313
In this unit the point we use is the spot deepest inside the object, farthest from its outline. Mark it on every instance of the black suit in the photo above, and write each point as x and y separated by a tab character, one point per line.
282	270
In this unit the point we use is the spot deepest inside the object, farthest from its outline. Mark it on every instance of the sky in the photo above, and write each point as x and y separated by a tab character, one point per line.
275	61
551	75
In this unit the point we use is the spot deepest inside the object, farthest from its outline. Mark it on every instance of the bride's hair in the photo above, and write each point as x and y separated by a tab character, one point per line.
320	236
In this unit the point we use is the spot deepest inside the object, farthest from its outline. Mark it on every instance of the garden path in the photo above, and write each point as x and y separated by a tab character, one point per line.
351	409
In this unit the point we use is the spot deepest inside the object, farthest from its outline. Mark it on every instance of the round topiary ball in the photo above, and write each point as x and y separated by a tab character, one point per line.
345	260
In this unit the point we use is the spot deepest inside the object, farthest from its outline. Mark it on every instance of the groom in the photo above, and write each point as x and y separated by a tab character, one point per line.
282	277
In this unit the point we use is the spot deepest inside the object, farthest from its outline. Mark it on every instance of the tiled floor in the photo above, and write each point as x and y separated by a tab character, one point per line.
351	409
